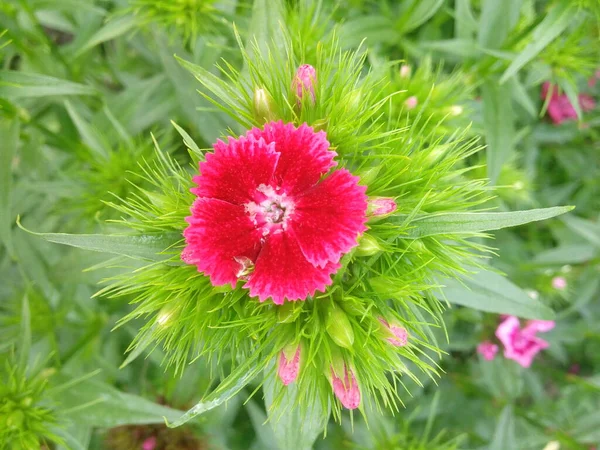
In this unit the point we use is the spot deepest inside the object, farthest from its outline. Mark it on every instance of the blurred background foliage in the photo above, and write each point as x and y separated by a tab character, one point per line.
84	84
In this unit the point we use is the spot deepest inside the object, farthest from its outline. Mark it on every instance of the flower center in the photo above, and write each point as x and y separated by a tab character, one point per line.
270	209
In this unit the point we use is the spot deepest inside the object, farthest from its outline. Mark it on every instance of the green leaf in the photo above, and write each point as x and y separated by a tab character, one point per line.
9	130
228	388
265	25
146	247
374	28
504	435
292	429
97	404
498	119
416	13
463	48
557	21
91	137
464	21
23	85
566	254
474	222
491	292
587	229
188	141
113	29
25	334
496	20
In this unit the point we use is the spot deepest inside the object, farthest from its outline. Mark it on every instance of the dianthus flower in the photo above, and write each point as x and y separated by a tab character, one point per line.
522	344
271	211
560	108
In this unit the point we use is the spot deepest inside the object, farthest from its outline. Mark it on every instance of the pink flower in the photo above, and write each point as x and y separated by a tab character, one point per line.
559	283
411	102
289	365
488	350
405	71
149	444
560	108
304	81
522	345
399	334
381	206
272	212
346	390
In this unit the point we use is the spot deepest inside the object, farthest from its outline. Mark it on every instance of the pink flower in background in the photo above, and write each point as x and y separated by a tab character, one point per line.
487	350
149	444
270	210
522	344
304	81
560	108
559	283
346	389
411	102
399	334
289	365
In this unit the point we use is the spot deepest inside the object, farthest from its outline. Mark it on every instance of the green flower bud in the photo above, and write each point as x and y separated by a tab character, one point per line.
368	246
339	327
369	175
15	420
288	312
263	106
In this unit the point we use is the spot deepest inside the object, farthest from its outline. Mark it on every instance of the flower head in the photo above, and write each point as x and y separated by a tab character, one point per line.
346	388
488	350
522	344
304	81
411	102
271	211
559	283
560	108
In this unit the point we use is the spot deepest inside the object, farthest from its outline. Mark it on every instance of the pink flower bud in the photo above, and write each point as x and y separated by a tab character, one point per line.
399	334
289	364
411	102
405	71
346	390
488	350
304	81
559	283
381	206
149	444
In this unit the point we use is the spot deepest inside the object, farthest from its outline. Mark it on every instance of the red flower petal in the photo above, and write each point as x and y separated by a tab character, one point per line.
234	171
304	154
328	218
282	272
219	232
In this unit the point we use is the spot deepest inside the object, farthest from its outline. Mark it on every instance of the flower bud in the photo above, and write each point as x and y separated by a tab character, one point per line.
149	444
559	283
345	388
456	110
411	102
304	81
263	106
369	175
405	71
339	327
367	246
398	334
487	350
289	364
381	207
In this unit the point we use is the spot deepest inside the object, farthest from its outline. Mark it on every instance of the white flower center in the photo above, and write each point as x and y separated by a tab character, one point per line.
271	210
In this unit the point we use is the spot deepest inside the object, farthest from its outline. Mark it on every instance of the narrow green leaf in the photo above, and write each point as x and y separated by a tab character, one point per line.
292	430
499	126
464	20
557	21
496	20
146	247
375	29
504	435
113	29
187	140
467	222
15	84
519	95
491	292
587	229
228	388
265	25
9	130
463	48
91	137
97	404
570	91
419	12
25	333
567	254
